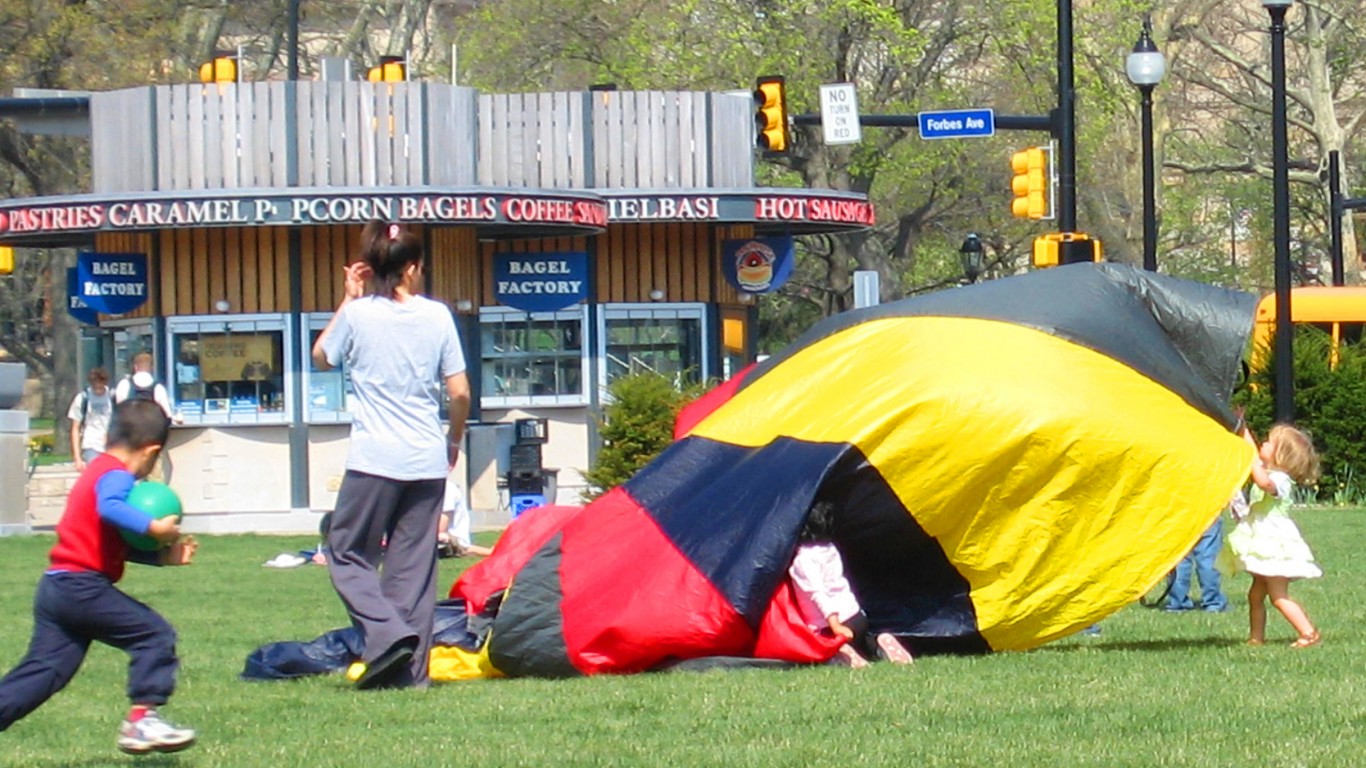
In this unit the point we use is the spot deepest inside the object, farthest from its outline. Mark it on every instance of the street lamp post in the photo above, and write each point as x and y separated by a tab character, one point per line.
293	37
1145	67
1280	182
972	256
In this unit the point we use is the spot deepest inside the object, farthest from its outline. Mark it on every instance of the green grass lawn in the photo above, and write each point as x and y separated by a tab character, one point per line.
1154	689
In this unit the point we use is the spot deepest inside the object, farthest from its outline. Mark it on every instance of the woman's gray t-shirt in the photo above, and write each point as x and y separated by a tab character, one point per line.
399	355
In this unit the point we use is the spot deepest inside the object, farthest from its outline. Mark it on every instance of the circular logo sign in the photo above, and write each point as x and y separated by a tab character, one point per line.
754	266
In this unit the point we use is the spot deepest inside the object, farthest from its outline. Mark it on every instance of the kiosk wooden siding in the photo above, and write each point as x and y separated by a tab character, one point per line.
366	135
238	136
456	268
249	267
633	259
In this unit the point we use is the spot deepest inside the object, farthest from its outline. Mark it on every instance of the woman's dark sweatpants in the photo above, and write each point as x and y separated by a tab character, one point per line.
69	611
397	601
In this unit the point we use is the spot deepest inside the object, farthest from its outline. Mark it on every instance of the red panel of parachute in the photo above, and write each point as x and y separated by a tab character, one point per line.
665	609
527	534
632	600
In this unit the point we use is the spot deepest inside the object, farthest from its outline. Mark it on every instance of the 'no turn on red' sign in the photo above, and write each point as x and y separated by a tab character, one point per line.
839	114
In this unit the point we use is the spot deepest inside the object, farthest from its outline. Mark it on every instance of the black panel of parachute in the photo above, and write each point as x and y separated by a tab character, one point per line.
1019	458
1010	462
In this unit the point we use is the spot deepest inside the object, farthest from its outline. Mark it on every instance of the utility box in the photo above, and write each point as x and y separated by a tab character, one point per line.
13	452
526	475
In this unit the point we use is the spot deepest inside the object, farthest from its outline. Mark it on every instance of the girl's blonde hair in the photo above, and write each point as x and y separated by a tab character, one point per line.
1295	453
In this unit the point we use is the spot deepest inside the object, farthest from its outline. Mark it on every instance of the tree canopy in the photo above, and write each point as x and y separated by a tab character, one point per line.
904	56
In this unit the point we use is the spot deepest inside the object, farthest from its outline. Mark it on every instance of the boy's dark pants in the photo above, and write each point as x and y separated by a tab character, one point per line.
69	611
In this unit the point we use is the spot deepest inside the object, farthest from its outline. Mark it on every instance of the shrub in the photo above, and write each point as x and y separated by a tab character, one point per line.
1330	402
636	426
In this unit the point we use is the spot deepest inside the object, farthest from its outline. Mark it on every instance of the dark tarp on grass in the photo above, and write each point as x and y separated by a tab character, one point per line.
334	651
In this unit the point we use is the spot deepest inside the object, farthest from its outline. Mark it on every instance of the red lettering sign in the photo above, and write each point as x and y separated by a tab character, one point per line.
831	209
590	213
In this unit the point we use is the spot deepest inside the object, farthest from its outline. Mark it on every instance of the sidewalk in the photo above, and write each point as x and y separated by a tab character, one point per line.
49	486
47	491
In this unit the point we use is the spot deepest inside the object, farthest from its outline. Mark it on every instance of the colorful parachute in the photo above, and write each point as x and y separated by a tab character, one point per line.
1011	461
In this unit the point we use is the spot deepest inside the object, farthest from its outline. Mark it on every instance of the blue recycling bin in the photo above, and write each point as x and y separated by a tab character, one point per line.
523	501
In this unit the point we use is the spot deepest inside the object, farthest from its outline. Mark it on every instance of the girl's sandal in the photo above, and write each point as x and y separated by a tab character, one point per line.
1254	642
1305	641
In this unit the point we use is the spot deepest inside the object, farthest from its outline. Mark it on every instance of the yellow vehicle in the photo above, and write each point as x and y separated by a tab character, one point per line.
1339	311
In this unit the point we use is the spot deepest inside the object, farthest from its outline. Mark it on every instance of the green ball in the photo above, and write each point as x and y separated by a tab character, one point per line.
156	499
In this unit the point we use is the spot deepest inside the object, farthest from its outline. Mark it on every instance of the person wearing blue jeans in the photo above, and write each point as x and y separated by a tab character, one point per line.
1201	561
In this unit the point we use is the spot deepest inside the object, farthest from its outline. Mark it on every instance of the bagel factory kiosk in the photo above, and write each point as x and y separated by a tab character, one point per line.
576	236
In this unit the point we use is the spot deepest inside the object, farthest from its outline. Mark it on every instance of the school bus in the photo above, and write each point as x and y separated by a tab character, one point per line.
1340	311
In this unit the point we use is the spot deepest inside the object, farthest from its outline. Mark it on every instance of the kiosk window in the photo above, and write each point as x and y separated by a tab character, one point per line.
128	341
666	339
531	358
327	394
229	373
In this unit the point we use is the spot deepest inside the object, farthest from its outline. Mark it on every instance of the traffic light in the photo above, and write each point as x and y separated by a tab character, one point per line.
222	69
6	259
391	69
770	114
1030	184
1056	248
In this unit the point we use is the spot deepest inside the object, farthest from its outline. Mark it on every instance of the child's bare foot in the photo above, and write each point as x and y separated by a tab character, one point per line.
1305	641
849	657
1255	641
892	649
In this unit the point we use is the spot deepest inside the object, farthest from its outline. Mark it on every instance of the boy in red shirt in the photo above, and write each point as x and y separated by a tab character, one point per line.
77	602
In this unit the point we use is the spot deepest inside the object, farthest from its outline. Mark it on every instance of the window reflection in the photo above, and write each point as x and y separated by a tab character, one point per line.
666	341
228	372
536	355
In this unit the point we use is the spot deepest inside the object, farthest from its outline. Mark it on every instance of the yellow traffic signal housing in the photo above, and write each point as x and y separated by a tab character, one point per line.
6	260
222	69
1030	184
1048	249
391	69
770	114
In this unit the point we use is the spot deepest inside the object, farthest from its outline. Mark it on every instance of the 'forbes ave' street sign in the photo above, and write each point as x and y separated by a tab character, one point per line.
957	124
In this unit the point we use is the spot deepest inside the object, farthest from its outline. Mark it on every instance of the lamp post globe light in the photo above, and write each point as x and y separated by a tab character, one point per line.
972	255
1280	181
1146	67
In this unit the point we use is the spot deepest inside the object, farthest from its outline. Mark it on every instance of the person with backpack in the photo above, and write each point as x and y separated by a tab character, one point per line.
89	413
141	384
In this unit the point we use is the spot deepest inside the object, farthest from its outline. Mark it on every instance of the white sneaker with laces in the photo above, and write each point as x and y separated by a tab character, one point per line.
153	734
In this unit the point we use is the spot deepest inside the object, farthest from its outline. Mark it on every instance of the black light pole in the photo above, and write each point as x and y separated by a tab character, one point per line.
293	40
1066	132
1145	67
1337	209
1280	181
972	256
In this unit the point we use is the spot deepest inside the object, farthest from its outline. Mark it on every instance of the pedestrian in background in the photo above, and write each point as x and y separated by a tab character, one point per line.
89	414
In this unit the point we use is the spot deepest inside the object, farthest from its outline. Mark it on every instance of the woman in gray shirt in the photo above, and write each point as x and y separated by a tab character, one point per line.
400	349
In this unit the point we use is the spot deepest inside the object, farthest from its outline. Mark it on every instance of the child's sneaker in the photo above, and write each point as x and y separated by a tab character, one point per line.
152	734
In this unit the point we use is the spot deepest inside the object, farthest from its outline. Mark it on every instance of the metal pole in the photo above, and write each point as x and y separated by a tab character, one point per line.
1149	184
1067	138
1232	236
1335	214
1285	330
293	40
